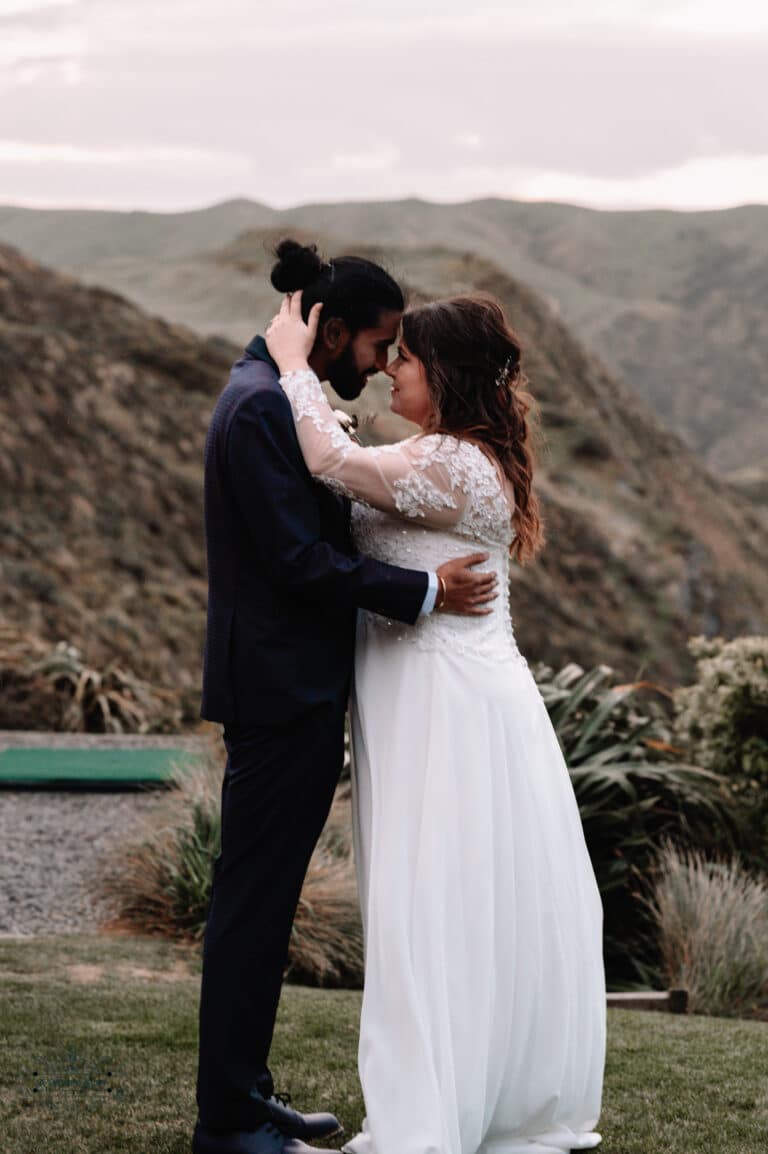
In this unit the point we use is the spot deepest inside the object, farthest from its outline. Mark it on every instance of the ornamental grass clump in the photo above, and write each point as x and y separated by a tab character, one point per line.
326	946
711	921
160	881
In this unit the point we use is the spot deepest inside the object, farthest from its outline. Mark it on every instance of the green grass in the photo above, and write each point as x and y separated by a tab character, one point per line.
75	1010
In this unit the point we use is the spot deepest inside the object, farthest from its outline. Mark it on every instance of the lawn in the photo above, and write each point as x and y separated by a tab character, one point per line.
98	1056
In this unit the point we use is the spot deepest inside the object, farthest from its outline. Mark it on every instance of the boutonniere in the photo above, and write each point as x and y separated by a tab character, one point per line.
348	422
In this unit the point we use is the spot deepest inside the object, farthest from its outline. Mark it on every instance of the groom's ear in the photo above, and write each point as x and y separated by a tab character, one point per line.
335	335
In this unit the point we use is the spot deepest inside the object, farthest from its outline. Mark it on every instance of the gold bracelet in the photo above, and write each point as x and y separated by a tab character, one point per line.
442	588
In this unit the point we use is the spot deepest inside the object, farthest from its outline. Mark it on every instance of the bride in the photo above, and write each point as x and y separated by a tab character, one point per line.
483	1016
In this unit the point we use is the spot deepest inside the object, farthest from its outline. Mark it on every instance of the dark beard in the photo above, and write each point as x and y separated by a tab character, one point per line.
345	378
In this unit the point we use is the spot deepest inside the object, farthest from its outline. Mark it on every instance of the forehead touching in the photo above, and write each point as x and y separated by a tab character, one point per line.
385	331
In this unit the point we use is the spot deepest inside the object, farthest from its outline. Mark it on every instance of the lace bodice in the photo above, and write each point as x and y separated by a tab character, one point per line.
418	503
412	545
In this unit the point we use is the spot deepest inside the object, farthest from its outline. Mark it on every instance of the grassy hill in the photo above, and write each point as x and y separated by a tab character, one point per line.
103	412
672	302
103	415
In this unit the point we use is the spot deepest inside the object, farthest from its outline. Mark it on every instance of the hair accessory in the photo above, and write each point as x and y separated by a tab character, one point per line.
332	267
504	373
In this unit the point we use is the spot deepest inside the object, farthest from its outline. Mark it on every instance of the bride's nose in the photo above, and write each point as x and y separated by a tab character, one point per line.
390	369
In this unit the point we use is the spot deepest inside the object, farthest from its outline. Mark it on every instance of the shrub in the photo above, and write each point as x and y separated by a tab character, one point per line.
723	719
711	919
53	687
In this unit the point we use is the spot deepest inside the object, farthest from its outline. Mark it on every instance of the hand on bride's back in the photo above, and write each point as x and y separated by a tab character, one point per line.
467	592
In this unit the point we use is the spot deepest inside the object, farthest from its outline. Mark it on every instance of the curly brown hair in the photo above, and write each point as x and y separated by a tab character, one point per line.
473	363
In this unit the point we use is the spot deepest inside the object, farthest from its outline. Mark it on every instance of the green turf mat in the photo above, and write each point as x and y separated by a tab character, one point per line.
90	768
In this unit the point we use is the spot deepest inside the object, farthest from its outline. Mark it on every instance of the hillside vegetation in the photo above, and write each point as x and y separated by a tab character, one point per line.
103	412
103	415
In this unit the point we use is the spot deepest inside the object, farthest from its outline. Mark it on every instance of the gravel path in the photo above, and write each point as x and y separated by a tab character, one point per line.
52	846
28	739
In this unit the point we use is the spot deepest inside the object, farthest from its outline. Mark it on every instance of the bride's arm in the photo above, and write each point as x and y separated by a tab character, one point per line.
420	478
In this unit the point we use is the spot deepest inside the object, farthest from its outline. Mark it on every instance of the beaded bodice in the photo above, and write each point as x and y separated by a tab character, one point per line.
415	546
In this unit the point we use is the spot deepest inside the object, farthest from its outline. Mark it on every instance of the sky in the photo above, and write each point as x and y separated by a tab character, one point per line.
174	104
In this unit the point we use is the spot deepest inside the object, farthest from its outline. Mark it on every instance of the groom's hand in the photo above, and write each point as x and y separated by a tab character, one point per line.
467	592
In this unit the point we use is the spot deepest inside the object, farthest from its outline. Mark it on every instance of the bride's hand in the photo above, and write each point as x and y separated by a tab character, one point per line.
289	339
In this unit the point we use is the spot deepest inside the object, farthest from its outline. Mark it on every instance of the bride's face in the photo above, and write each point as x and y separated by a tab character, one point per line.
410	396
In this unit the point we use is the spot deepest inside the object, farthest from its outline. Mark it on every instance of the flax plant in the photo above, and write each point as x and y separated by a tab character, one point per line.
633	787
56	686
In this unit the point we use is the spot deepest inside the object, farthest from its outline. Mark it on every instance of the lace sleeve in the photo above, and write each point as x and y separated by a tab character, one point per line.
421	478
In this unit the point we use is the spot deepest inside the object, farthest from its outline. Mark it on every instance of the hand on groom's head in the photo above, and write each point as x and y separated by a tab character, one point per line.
289	338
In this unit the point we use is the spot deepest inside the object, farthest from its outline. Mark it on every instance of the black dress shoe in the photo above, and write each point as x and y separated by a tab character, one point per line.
296	1125
265	1139
296	1146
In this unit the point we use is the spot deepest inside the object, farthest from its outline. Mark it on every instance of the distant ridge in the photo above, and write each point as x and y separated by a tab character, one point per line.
675	303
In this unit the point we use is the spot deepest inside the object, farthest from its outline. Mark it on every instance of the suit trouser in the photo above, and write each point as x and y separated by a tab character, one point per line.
277	790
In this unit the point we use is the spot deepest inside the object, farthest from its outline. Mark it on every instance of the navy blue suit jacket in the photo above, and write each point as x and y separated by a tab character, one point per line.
284	581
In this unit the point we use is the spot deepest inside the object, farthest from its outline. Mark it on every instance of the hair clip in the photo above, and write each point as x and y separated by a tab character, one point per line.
504	373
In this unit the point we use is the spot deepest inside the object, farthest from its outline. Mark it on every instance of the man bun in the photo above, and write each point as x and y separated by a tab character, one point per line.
298	265
352	288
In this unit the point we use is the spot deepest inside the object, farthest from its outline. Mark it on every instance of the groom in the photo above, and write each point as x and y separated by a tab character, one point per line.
284	586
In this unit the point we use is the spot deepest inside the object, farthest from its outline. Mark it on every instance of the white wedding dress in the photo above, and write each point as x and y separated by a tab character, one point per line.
483	1017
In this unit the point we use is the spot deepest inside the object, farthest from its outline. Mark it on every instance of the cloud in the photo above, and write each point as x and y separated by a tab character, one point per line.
700	183
374	159
66	70
696	183
470	140
177	27
33	35
284	102
287	22
712	18
32	12
59	175
23	46
25	152
350	21
184	179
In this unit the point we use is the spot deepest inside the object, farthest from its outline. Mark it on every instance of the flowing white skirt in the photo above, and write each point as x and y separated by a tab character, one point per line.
483	1017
